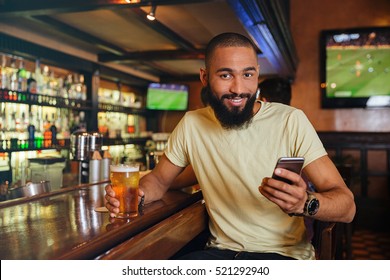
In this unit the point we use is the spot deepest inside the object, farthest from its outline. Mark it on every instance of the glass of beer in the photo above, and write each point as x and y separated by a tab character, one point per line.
124	181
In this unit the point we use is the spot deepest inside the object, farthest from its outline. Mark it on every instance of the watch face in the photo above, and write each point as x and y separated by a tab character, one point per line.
313	206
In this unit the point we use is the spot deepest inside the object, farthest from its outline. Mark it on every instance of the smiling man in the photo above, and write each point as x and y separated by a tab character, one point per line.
234	104
233	145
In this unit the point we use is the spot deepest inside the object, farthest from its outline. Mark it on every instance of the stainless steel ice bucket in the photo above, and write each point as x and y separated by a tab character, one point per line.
79	145
83	143
30	189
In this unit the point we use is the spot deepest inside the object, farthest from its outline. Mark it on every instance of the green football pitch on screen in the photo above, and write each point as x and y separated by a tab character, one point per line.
167	99
357	72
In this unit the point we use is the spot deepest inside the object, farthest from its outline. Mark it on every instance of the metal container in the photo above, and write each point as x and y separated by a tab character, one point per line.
95	141
47	169
105	169
94	170
83	143
79	145
30	189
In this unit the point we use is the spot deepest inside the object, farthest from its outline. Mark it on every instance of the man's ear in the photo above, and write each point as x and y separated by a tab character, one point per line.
203	76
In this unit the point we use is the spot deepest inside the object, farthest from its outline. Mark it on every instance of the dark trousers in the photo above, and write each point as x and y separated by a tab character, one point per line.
217	254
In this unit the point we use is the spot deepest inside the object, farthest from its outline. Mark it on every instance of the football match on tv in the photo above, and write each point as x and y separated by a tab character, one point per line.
358	65
167	97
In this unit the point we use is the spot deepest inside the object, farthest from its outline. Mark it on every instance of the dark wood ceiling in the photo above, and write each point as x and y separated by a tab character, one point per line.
116	34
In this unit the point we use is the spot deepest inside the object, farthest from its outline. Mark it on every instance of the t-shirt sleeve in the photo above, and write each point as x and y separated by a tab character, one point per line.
176	149
307	143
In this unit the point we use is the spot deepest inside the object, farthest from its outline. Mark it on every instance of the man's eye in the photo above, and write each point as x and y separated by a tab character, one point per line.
248	75
225	76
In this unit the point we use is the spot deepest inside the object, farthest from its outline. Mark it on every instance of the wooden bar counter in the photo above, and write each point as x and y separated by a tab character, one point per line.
65	225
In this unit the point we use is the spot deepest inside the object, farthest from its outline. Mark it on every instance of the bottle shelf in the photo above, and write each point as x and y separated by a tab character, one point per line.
125	141
17	145
43	100
105	107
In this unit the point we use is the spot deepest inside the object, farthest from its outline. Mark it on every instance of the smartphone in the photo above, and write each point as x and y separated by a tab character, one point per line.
290	163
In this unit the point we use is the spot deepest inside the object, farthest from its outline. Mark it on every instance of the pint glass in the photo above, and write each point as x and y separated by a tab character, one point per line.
124	181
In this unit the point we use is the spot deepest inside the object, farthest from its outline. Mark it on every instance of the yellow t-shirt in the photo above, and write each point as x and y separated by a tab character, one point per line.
230	165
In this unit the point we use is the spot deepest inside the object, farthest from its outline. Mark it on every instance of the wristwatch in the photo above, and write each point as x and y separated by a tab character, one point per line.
311	206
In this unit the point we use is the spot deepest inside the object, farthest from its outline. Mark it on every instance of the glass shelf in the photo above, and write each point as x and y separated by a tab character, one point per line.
43	100
125	141
105	107
17	145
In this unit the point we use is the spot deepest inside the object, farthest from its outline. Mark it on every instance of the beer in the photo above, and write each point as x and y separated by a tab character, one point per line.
124	181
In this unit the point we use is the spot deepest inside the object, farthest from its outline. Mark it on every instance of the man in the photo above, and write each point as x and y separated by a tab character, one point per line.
233	145
270	90
275	90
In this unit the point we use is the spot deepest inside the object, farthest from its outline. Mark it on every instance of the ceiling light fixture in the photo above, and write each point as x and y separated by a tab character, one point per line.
152	14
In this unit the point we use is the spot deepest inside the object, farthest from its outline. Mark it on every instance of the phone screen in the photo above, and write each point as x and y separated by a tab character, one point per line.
290	163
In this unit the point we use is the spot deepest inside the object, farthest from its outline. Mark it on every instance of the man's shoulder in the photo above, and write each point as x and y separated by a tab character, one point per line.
198	113
276	108
200	110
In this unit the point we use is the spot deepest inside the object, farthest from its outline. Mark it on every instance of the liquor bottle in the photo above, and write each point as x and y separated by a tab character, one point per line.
47	138
60	87
58	120
12	122
18	120
83	88
3	140
68	87
46	123
31	85
53	85
53	130
38	77
31	132
3	124
4	75
82	123
65	130
131	124
2	116
76	86
46	81
102	124
13	76
47	132
21	76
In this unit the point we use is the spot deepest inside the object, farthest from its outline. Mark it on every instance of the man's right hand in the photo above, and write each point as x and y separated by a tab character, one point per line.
112	203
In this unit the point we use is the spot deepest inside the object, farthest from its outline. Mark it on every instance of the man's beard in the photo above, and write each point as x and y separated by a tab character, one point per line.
234	118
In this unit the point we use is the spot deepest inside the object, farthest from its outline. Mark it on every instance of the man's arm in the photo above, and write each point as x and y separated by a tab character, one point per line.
156	183
336	200
186	178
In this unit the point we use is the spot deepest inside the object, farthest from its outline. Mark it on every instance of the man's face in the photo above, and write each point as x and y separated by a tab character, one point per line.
231	80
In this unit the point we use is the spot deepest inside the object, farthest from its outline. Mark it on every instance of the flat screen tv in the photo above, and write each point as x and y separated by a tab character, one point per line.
355	68
168	97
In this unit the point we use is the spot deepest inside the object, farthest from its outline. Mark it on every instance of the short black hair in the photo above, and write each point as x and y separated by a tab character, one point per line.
228	39
276	90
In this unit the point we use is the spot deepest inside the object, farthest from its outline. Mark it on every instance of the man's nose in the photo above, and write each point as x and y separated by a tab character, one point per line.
237	86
